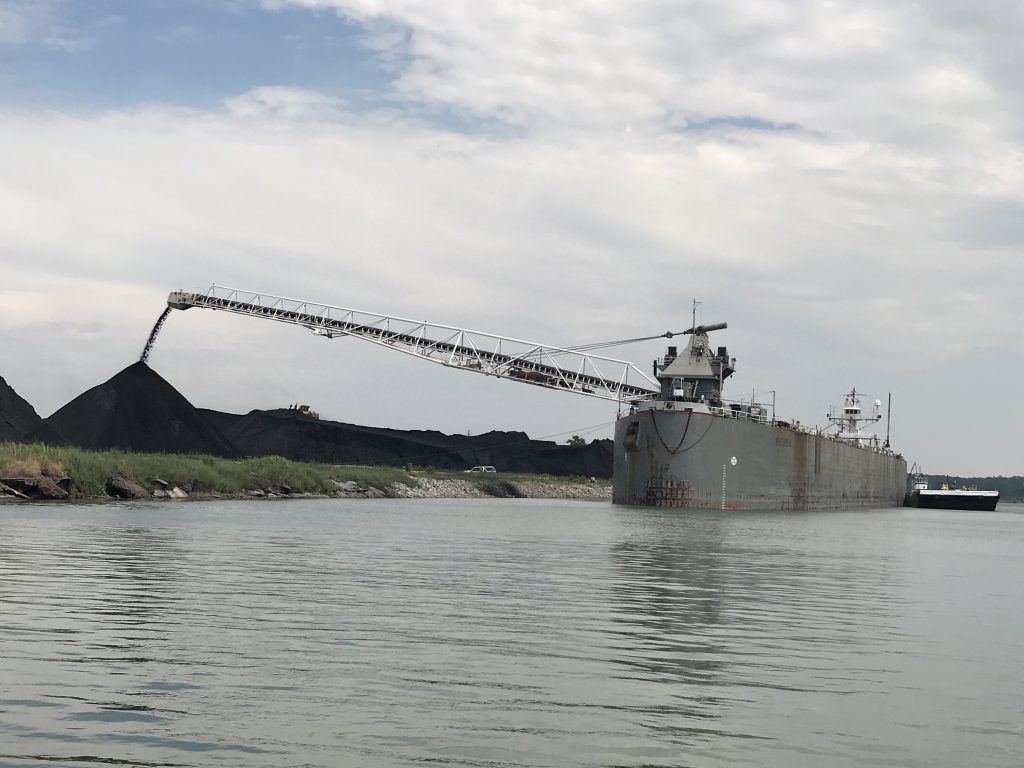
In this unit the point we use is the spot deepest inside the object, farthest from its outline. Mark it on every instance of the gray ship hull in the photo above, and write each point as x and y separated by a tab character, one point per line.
670	456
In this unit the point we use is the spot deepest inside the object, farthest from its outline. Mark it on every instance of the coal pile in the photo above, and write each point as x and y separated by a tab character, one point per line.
293	435
18	419
136	410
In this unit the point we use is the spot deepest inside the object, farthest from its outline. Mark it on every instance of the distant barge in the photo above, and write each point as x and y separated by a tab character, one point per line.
950	498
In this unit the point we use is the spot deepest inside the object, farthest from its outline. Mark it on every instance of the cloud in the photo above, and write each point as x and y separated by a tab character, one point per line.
69	41
889	73
284	102
41	21
181	34
20	20
992	223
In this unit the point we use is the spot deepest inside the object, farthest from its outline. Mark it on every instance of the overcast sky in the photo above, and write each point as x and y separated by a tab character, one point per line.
842	182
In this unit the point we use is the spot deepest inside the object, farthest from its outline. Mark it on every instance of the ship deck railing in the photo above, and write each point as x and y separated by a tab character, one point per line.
731	413
762	418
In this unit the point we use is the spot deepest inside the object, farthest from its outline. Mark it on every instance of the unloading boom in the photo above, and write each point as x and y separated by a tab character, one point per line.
553	367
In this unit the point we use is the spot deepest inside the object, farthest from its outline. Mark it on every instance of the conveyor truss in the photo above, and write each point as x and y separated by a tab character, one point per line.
566	369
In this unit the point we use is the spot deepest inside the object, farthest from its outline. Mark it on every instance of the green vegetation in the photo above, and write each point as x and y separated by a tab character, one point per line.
90	471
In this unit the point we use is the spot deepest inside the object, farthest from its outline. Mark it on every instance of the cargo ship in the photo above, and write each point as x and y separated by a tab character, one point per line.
689	447
950	498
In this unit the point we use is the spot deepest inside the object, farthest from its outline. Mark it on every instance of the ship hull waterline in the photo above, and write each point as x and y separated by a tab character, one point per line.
671	456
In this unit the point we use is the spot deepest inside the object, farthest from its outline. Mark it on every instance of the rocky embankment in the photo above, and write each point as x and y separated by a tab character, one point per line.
427	488
41	487
34	487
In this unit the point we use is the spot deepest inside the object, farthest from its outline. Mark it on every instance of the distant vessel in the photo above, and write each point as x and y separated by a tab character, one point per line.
688	447
950	498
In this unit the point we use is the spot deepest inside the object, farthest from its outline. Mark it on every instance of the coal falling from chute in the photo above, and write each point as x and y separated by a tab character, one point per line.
153	334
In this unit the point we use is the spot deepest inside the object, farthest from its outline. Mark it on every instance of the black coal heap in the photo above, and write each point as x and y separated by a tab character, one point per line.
289	433
17	418
136	410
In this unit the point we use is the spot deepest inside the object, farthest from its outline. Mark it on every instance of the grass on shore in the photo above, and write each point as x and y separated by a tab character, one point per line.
90	470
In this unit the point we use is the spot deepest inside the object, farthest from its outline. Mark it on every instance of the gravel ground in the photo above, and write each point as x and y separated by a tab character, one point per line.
427	488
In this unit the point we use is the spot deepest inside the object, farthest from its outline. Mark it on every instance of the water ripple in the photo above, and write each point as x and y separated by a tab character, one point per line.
506	633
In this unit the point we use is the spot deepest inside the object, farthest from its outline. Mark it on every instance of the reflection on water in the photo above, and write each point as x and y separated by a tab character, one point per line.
720	614
667	606
506	633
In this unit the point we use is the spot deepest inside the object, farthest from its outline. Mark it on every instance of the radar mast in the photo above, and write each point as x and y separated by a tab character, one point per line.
851	420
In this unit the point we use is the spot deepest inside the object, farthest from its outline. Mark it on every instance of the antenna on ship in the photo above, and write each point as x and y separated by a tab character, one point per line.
888	419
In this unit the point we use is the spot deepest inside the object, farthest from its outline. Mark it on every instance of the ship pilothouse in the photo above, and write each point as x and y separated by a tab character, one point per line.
851	421
697	374
693	380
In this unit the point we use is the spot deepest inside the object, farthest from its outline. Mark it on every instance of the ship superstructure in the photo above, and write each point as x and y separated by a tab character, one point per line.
851	421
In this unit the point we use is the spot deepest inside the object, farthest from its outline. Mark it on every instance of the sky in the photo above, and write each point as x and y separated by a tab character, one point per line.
842	182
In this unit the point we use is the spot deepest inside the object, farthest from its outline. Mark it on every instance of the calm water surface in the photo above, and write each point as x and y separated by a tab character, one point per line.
508	633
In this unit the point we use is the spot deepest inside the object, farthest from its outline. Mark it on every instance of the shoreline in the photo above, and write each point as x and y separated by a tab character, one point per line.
418	488
34	472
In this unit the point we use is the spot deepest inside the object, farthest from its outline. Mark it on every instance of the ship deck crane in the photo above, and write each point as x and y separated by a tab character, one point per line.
568	369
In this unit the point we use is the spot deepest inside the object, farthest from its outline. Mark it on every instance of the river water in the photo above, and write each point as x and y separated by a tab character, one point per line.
508	633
